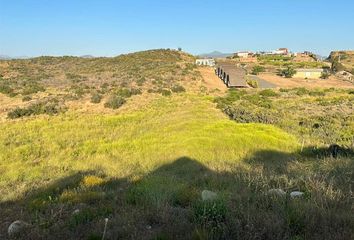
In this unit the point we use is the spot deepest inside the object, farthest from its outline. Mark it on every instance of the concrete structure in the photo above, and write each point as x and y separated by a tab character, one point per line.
309	73
244	54
205	62
281	51
232	75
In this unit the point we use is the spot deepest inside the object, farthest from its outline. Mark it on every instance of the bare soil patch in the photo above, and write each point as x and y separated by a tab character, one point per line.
308	83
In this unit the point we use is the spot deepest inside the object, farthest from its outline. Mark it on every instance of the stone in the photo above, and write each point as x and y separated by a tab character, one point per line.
277	192
209	195
17	228
77	211
296	194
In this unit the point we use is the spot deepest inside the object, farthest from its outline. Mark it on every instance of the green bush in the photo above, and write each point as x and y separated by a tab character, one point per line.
325	75
96	98
49	107
246	115
289	72
115	102
268	93
166	92
257	69
178	89
26	98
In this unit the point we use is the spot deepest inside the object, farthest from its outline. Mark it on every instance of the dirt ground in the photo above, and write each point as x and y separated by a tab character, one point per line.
308	83
211	81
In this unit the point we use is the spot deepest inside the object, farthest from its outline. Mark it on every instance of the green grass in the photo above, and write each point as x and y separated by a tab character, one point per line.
128	144
145	170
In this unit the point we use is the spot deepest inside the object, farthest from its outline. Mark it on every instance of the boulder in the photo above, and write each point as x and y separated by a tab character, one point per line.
277	192
17	228
296	194
209	195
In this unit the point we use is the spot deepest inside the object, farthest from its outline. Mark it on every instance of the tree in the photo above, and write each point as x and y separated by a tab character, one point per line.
257	69
289	72
180	49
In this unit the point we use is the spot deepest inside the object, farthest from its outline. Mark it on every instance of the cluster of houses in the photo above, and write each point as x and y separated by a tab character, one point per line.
252	57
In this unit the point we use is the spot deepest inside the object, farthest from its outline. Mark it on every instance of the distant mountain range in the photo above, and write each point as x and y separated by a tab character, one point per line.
4	57
216	54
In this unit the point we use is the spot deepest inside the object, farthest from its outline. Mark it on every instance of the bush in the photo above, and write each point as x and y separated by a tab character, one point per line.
166	92
252	83
289	72
50	107
114	102
268	93
96	98
257	69
244	115
178	89
26	98
325	75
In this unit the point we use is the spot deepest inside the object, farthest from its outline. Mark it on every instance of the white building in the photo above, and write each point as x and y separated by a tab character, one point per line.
205	62
244	54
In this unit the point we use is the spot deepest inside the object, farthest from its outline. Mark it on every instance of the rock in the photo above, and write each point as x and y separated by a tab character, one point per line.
208	195
296	194
77	211
277	192
17	228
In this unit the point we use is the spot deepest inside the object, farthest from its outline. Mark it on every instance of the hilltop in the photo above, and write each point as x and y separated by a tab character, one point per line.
343	60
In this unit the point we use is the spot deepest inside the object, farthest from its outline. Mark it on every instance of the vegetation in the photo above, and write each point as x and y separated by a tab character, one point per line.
115	102
257	69
289	72
139	172
49	107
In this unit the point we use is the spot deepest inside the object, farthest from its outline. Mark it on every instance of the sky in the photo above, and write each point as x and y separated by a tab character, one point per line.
113	27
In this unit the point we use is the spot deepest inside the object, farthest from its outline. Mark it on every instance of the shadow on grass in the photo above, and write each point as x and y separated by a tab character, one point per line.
166	204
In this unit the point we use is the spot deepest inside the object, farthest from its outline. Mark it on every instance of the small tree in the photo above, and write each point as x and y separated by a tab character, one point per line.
289	72
257	69
325	75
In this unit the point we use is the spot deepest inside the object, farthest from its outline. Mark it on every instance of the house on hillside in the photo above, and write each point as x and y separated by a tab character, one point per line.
281	51
205	62
244	54
314	73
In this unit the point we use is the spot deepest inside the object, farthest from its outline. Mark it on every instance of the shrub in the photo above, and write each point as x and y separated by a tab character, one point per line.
301	91
49	107
289	72
31	88
166	92
6	89
96	98
115	102
26	98
268	93
257	69
244	115
211	216
178	89
325	75
252	83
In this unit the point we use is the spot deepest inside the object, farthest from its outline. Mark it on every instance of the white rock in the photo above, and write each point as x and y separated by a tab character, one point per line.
296	194
77	211
208	195
16	228
277	192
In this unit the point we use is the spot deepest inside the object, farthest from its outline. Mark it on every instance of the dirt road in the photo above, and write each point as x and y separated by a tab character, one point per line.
211	81
308	83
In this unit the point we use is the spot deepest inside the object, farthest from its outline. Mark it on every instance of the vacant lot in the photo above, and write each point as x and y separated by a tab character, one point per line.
137	157
308	83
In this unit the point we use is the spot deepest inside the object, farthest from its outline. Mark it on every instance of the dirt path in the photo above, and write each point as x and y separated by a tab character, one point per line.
308	83
211	81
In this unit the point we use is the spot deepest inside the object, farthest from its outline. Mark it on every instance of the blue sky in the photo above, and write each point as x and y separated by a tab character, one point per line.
108	27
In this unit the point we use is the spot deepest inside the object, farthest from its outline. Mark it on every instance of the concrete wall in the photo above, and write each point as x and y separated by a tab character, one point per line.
313	75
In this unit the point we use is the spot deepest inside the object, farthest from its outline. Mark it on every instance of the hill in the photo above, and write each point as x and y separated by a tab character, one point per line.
138	147
215	54
342	60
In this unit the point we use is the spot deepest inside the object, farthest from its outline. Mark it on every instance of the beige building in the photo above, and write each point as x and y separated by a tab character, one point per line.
308	73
